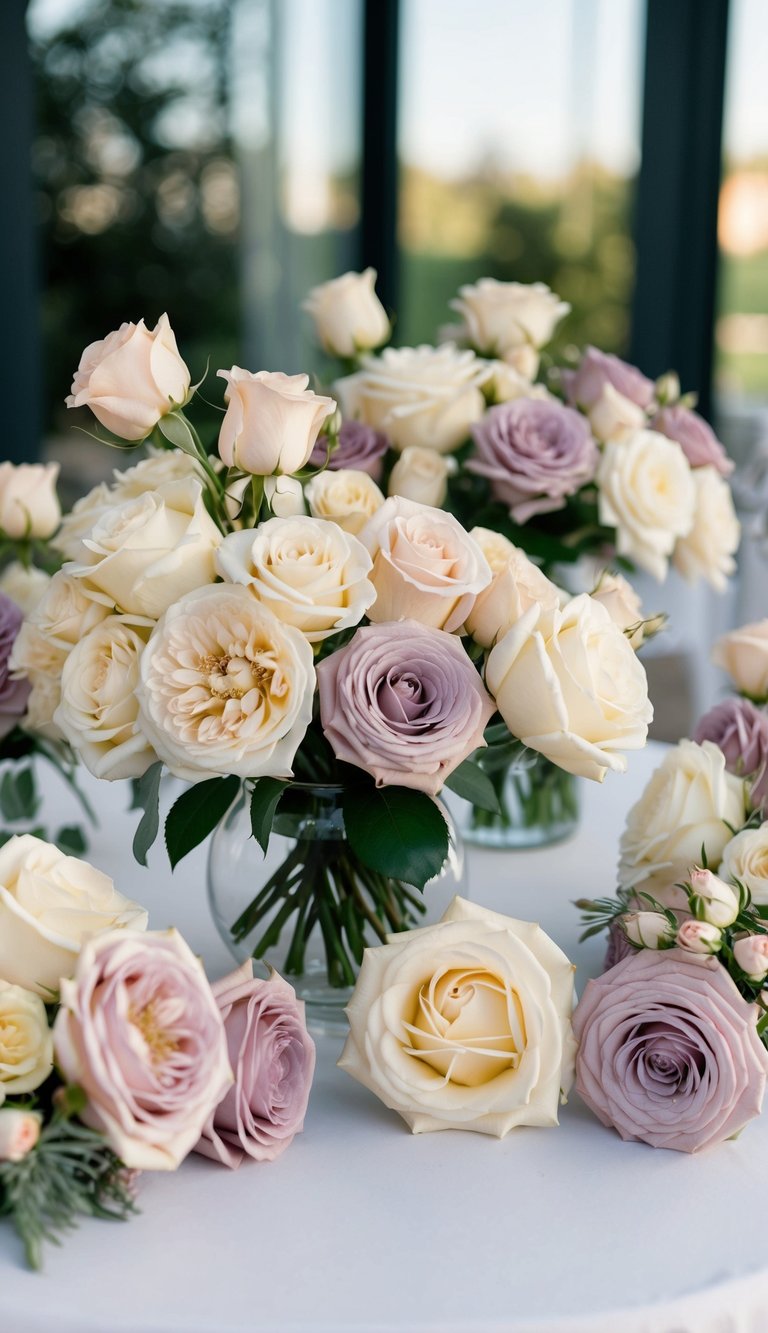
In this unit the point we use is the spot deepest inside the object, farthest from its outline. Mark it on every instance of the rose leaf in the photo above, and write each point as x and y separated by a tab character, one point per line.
146	796
196	814
264	802
396	831
470	782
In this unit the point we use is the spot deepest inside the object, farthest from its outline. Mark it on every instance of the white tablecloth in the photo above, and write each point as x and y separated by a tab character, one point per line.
363	1228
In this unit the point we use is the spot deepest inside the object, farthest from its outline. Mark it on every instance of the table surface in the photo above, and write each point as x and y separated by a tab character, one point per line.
362	1227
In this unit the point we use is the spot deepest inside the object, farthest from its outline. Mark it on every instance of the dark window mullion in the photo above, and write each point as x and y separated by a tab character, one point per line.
378	230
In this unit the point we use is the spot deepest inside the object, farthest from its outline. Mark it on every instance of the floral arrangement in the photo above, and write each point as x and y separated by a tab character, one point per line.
117	1057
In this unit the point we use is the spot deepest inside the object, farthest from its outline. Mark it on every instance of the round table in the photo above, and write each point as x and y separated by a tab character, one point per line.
362	1227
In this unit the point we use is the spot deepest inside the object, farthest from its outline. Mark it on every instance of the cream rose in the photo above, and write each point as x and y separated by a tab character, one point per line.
29	506
162	466
613	417
225	687
284	496
24	586
272	421
425	566
506	384
568	684
309	572
465	1025
81	518
707	551
646	492
517	583
65	614
745	858
744	655
347	314
49	903
131	378
36	659
26	1041
347	496
625	608
428	396
503	317
421	475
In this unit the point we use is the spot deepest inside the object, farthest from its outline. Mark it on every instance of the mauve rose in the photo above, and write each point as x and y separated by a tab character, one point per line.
584	386
273	1060
13	693
534	452
359	447
618	947
669	1052
740	730
695	437
403	702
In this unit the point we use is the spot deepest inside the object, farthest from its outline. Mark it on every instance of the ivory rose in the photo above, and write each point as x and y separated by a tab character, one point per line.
648	930
744	655
346	496
225	687
39	662
29	506
502	318
19	1132
516	584
646	491
745	858
76	524
464	1025
66	613
707	551
50	903
26	1043
421	475
425	566
568	684
131	379
24	586
309	572
272	421
140	1032
347	314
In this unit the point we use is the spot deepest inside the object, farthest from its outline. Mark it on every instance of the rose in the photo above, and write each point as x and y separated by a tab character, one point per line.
347	314
140	1032
713	900
503	317
131	379
623	605
272	1058
285	496
347	497
147	553
751	954
689	802
745	858
614	418
272	421
425	566
26	1043
19	1132
66	613
224	687
24	586
707	550
506	383
39	662
464	1025
78	522
162	466
49	903
648	930
309	572
535	453
699	937
669	1052
568	684
516	584
696	438
741	731
618	945
403	702
14	693
421	475
744	655
418	395
29	506
600	370
359	448
646	491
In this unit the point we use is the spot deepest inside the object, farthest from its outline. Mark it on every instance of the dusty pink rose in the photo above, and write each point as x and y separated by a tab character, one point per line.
585	385
695	437
140	1031
273	1059
359	447
669	1052
618	947
740	730
535	453
405	703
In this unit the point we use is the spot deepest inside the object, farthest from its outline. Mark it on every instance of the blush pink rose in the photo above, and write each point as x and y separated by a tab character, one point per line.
273	1060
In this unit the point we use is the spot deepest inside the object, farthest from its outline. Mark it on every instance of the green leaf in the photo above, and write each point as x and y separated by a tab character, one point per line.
264	802
397	831
18	795
177	432
196	814
146	795
71	840
470	782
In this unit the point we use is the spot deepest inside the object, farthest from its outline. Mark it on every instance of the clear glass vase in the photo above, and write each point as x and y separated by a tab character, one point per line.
538	802
310	906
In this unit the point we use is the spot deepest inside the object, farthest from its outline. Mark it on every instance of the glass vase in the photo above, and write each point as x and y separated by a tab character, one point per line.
310	906
538	802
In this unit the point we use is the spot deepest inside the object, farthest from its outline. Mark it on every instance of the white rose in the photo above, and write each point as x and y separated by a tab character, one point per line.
147	553
99	711
707	550
421	475
648	930
29	505
41	662
425	566
24	586
308	571
66	613
751	954
501	317
517	583
688	803
613	417
272	421
568	684
506	383
428	396
225	687
50	903
646	492
713	900
746	859
465	1025
78	522
285	496
623	606
26	1041
162	466
744	655
347	496
131	378
19	1132
347	314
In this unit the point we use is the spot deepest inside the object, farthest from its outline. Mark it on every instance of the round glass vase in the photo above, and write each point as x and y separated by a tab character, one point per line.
538	802
310	906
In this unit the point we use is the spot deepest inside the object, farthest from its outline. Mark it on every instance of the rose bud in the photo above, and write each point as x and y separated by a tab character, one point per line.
648	930
699	937
751	954
19	1132
713	900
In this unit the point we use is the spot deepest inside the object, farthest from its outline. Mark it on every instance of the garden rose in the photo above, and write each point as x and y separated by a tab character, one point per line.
425	566
140	1032
669	1052
272	421
14	692
597	370
272	1058
309	572
403	702
24	586
741	731
26	1042
347	497
568	684
751	954
50	903
707	551
29	506
647	930
359	448
744	655
19	1132
225	687
421	475
535	453
516	584
347	314
503	317
131	378
647	492
696	438
699	937
745	858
